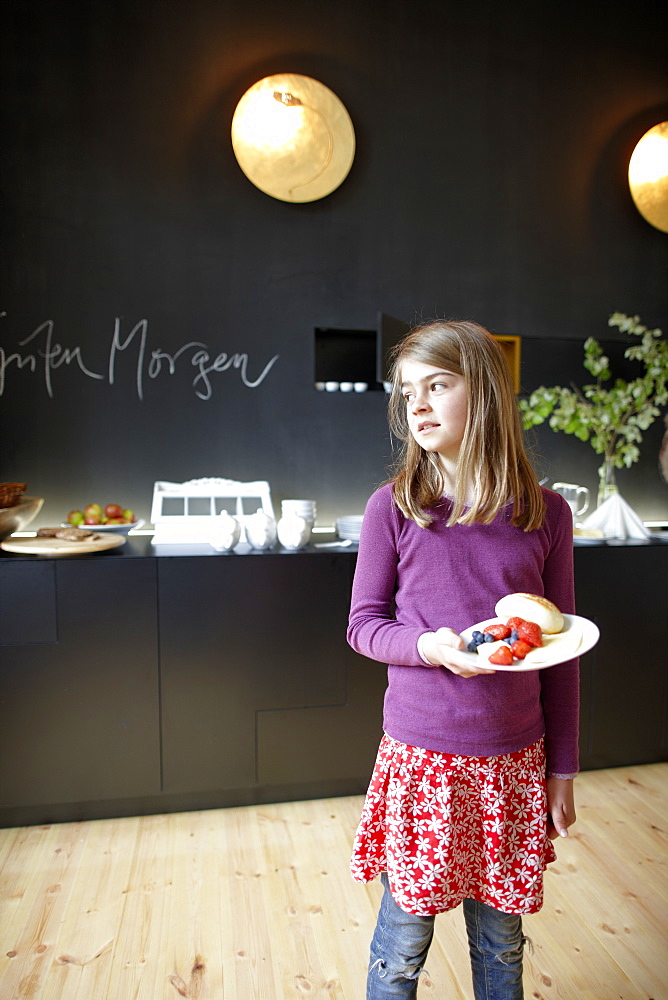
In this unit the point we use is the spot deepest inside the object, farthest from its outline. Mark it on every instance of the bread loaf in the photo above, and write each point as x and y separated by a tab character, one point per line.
532	608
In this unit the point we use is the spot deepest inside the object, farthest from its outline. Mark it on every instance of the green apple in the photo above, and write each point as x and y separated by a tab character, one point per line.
75	517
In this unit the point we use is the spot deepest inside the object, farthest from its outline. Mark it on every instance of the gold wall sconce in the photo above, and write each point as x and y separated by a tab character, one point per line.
648	176
293	138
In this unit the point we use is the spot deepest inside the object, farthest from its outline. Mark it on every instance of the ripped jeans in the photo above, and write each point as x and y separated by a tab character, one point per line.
401	942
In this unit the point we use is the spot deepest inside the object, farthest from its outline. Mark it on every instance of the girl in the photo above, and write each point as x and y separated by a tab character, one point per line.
459	809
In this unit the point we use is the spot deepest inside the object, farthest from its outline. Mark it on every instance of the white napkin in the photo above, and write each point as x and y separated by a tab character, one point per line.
616	519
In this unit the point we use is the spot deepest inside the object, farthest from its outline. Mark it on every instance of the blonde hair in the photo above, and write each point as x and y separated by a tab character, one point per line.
492	457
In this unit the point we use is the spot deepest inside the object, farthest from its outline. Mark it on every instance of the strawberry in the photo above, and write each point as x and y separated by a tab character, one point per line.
531	633
520	648
503	656
514	623
498	630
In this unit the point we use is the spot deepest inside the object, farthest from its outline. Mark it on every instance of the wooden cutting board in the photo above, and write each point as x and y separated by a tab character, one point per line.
35	546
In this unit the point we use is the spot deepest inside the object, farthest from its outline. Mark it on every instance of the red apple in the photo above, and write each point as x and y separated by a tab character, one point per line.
92	510
75	517
93	519
113	510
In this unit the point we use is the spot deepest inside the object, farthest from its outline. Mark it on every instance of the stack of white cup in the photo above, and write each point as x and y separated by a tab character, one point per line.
302	508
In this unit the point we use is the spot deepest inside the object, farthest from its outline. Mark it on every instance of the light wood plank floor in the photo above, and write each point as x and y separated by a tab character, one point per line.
257	904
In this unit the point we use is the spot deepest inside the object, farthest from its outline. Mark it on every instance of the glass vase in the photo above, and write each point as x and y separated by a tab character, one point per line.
607	484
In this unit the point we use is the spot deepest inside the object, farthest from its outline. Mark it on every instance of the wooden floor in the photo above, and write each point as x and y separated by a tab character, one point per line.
257	904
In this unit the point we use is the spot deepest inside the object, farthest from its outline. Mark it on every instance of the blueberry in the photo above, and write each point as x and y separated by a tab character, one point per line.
476	638
514	636
489	637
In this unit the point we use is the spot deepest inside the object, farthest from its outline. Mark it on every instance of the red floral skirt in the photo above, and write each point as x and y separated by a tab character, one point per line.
446	828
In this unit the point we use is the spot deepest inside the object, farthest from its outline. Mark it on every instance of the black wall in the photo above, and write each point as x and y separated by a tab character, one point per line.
489	183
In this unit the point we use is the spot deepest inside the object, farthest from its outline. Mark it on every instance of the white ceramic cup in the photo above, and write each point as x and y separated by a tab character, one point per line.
331	386
346	387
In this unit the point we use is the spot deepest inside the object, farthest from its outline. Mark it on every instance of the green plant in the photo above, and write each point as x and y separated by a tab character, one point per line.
611	418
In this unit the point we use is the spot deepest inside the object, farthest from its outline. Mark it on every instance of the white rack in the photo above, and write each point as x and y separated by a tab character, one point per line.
186	512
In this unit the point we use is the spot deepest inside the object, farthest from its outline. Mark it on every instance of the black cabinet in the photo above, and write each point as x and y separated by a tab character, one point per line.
78	700
132	682
624	679
258	682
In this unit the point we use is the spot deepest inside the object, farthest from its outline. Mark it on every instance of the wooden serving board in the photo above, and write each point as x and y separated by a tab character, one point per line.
35	546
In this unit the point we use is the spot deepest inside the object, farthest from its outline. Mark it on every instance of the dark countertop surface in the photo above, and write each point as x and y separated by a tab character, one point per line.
141	545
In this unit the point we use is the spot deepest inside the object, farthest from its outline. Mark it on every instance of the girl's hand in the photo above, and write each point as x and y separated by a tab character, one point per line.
560	807
444	648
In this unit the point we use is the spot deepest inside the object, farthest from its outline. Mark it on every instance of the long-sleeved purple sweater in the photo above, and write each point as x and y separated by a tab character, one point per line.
411	580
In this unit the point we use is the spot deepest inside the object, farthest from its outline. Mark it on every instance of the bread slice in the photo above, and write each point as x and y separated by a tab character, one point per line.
532	608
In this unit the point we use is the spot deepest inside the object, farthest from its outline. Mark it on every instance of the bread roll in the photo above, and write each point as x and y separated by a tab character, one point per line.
532	608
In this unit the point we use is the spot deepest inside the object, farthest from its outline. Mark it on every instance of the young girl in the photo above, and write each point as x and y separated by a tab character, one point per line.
459	808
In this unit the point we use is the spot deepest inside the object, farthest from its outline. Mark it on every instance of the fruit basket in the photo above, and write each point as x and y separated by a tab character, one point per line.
11	494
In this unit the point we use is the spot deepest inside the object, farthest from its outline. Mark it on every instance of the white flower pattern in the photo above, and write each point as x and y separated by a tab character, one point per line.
446	828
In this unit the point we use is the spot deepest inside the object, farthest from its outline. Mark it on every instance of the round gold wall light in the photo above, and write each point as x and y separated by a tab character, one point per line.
648	176
293	138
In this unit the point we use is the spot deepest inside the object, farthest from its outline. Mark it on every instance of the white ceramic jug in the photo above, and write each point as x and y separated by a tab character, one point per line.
261	530
293	531
225	532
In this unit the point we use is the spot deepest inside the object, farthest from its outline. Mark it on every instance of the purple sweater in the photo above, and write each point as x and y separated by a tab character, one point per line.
411	580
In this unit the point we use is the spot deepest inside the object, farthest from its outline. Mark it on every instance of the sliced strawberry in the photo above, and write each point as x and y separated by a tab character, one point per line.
498	630
531	633
503	656
515	623
520	648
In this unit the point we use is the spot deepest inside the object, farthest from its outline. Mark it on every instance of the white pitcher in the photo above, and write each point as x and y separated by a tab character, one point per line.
225	532
293	531
577	497
261	530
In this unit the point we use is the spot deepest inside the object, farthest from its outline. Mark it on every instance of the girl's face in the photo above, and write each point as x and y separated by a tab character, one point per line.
436	408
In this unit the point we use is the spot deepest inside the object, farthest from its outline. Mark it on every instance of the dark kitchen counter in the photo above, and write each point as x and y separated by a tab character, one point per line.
142	680
141	545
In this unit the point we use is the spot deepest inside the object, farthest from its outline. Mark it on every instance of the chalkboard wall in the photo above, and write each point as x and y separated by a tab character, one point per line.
159	313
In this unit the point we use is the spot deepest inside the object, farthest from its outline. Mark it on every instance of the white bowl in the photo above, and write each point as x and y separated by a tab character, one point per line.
112	529
18	517
349	526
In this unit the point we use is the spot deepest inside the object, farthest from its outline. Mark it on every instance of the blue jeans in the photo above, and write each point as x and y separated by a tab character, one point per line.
401	942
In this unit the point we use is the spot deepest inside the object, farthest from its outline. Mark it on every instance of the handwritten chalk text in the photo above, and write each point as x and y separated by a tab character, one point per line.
128	350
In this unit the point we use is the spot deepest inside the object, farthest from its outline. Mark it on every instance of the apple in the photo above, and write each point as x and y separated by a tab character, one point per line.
92	519
128	516
92	510
113	510
75	517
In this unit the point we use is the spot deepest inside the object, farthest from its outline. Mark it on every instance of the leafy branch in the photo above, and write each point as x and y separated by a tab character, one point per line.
611	418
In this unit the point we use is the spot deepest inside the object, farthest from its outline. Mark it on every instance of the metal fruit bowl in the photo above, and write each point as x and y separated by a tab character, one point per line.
19	516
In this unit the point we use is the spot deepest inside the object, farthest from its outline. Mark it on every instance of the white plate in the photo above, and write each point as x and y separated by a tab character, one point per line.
112	529
584	635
